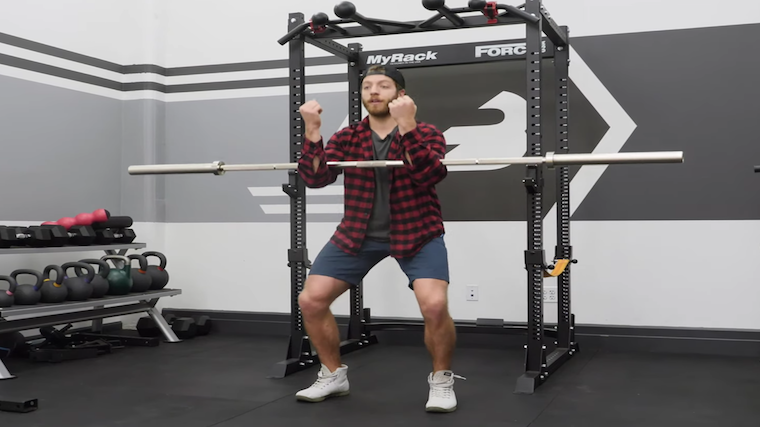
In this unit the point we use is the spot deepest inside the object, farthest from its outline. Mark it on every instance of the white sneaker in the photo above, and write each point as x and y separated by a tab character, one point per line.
328	384
441	397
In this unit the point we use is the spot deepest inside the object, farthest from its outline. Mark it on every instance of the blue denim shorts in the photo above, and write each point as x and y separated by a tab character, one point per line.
431	262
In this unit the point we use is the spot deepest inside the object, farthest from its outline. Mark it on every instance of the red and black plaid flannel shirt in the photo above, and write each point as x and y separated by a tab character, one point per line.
414	206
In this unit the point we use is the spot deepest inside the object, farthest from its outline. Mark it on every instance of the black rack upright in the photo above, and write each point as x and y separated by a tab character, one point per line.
320	31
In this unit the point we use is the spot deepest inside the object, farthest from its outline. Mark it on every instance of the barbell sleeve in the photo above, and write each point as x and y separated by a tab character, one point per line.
757	169
551	160
614	158
214	167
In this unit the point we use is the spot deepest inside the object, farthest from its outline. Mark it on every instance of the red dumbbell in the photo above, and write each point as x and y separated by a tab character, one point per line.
99	215
66	222
81	219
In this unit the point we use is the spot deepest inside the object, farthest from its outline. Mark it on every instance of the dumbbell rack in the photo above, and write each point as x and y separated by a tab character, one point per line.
25	317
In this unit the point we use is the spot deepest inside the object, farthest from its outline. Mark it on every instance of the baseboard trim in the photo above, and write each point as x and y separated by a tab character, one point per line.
611	337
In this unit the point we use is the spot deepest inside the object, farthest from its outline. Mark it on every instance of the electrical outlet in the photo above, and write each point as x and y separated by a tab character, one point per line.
550	294
472	293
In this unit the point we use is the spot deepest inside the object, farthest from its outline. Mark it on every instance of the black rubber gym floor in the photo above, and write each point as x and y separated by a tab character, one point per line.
221	381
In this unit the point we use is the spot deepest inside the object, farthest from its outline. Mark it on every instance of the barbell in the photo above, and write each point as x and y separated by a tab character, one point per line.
550	160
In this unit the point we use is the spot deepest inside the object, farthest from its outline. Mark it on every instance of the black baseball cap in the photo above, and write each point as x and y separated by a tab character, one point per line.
391	72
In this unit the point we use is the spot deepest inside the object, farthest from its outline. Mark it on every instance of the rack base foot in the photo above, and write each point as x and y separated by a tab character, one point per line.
287	367
20	406
531	380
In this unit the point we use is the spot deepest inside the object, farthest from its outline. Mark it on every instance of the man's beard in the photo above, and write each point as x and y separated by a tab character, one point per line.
379	110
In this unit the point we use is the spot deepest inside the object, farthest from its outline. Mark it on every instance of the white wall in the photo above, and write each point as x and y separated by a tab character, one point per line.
120	31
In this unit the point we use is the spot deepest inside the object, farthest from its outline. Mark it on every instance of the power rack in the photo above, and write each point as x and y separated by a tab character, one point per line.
321	31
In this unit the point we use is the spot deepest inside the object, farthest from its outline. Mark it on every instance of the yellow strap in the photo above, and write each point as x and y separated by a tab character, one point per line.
559	267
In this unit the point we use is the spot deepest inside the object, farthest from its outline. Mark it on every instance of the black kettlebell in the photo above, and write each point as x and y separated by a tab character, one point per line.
158	274
6	297
53	292
27	294
141	280
100	281
119	277
80	288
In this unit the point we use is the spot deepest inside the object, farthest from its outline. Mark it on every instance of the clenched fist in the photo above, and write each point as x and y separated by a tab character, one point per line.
312	121
403	109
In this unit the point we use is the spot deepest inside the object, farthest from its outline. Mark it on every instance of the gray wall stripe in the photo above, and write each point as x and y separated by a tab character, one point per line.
156	69
247	66
58	52
50	70
247	84
143	68
131	87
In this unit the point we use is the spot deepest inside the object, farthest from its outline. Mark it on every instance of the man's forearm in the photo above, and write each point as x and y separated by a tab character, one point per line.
405	127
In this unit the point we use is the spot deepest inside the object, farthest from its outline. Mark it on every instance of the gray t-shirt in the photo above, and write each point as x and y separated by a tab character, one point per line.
379	227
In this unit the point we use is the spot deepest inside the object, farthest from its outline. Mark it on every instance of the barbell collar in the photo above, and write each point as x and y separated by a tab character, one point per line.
549	162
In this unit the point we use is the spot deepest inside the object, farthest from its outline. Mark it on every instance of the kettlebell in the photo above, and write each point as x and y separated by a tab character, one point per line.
141	280
80	288
53	292
100	282
27	294
6	297
119	277
158	274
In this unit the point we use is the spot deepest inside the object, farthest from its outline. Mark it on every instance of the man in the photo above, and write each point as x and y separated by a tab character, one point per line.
388	212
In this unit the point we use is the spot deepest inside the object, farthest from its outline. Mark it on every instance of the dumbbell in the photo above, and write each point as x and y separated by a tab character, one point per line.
114	230
108	236
203	325
35	236
189	327
99	215
146	327
79	235
183	327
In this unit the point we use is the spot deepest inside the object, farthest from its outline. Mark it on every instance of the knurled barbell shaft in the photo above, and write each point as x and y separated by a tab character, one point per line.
551	160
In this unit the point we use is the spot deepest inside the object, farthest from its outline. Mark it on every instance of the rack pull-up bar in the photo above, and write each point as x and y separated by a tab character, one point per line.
551	160
321	22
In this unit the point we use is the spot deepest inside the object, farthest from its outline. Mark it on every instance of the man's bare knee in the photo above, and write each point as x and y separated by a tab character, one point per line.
319	293
434	308
433	299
